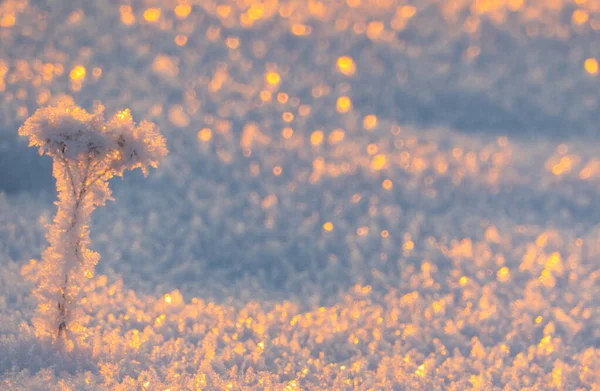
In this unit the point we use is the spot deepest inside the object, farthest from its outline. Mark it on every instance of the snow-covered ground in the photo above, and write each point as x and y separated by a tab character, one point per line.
359	194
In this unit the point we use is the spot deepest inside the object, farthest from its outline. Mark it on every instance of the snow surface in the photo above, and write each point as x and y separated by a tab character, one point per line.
439	229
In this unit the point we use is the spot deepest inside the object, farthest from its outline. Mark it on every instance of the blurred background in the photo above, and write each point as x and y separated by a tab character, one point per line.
321	141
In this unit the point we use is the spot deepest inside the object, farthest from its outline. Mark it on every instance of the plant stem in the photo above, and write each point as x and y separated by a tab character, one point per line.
62	305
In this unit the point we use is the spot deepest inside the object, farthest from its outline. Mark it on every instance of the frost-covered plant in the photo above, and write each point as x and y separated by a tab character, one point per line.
87	151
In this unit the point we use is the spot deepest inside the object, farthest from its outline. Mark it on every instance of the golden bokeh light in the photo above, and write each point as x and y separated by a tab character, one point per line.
266	95
591	66
282	97
180	40
344	104
503	275
316	138
580	16
152	15
127	16
232	42
346	65
182	10
378	162
205	134
372	149
336	136
301	29
8	20
370	122
273	78
287	116
287	133
77	73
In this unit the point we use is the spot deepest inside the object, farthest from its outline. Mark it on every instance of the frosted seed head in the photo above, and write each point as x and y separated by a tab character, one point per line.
137	146
66	130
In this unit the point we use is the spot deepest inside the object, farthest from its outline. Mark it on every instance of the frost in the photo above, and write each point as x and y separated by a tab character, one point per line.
87	151
351	199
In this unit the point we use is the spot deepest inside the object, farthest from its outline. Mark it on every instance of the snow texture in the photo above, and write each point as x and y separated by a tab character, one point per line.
359	195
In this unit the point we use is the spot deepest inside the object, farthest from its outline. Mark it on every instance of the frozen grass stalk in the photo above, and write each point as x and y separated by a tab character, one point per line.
87	151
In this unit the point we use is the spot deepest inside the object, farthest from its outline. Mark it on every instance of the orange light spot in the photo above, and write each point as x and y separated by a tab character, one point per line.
269	201
463	280
232	42
503	275
408	245
78	72
372	149
515	5
8	20
378	162
301	29
223	10
127	18
183	10
304	110
282	97
178	116
205	135
328	226
374	29
346	65
336	136
385	233
265	95
277	170
272	78
318	164
591	66
387	184
370	122
562	149
585	173
359	27
344	104
180	40
256	11
152	14
408	11
492	234
580	16
287	116
287	133
316	138
362	231
441	166
421	371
